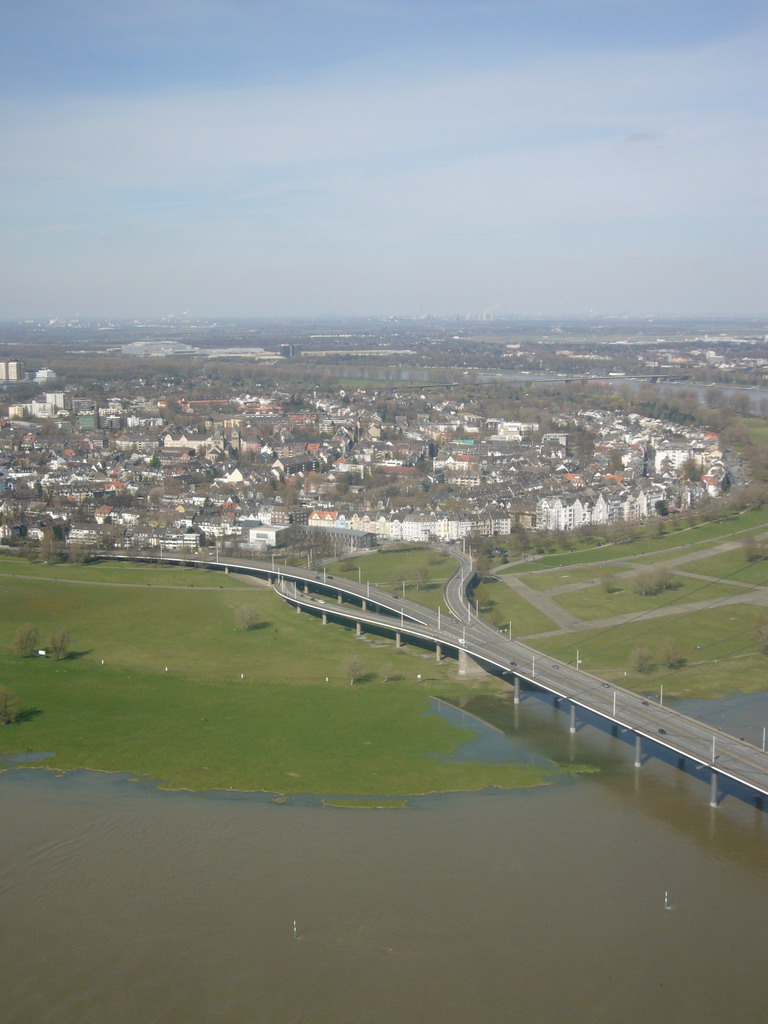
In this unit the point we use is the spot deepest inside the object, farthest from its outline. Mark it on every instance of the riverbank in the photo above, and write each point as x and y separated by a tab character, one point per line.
169	684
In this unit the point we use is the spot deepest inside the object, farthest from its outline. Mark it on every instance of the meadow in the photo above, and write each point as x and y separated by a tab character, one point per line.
165	683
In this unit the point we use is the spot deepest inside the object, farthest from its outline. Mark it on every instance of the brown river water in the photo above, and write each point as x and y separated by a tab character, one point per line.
121	904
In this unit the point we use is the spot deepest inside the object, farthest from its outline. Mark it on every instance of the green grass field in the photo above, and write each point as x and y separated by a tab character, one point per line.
549	580
504	606
597	603
153	686
734	565
423	570
718	645
757	429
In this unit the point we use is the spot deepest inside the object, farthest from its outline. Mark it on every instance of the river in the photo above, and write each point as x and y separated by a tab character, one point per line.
442	375
125	905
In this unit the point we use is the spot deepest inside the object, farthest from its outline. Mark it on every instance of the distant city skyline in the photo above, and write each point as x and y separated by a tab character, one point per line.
297	158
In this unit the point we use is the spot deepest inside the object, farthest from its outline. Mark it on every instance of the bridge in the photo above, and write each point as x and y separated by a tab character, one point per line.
461	632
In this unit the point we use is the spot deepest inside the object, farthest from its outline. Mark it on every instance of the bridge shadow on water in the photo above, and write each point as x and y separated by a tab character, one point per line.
544	722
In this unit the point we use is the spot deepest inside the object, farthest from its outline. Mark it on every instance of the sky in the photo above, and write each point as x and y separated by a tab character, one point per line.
383	157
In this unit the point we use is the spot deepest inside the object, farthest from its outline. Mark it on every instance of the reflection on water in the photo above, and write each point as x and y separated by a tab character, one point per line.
490	744
122	904
28	756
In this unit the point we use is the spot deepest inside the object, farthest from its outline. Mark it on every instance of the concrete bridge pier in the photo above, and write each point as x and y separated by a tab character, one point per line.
338	598
572	726
438	653
713	780
638	750
298	609
325	618
358	629
398	640
365	606
517	689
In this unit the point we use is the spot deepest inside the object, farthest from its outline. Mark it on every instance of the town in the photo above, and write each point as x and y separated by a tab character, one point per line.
304	442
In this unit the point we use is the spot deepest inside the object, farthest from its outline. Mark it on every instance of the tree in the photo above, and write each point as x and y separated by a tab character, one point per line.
641	659
26	641
671	654
248	618
482	597
753	550
607	584
397	579
9	706
652	581
59	644
690	470
354	669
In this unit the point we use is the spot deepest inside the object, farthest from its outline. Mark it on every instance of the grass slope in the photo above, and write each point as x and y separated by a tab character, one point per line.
423	570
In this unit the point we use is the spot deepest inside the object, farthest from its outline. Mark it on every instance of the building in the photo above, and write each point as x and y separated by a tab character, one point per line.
12	370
